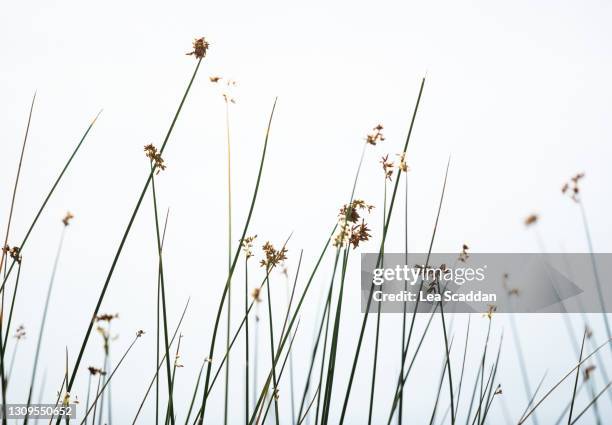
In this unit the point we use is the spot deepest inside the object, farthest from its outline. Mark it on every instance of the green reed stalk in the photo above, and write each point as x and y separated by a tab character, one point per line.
46	200
290	326
271	330
202	409
163	298
246	338
229	255
127	231
10	217
384	235
44	321
100	392
400	383
569	420
159	365
555	386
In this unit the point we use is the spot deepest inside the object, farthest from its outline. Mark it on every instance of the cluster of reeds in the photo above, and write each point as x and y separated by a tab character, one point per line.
320	398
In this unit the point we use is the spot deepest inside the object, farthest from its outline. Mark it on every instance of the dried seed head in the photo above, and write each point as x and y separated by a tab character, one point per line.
155	157
176	361
531	219
94	371
256	294
572	188
401	164
375	136
489	314
247	246
350	212
107	317
214	79
139	333
359	233
463	256
348	231
387	166
272	256
66	220
200	47
20	333
588	371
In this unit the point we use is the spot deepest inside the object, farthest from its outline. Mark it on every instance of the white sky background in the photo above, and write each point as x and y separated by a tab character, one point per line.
518	93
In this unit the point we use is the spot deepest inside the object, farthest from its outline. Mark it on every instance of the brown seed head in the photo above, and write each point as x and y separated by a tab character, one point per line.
572	188
200	47
247	246
15	253
155	157
531	219
387	166
272	256
255	293
588	371
492	309
375	136
20	333
94	371
401	164
107	317
463	256
66	220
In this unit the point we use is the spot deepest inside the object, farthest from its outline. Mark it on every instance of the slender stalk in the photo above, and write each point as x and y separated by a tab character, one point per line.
595	271
401	401
157	323
442	375
467	338
126	233
195	393
159	365
274	380
10	216
100	392
246	339
163	299
400	383
43	321
227	283
554	387
176	357
522	363
376	338
229	254
280	374
291	323
314	353
591	403
334	341
531	400
46	200
95	405
384	235
569	420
